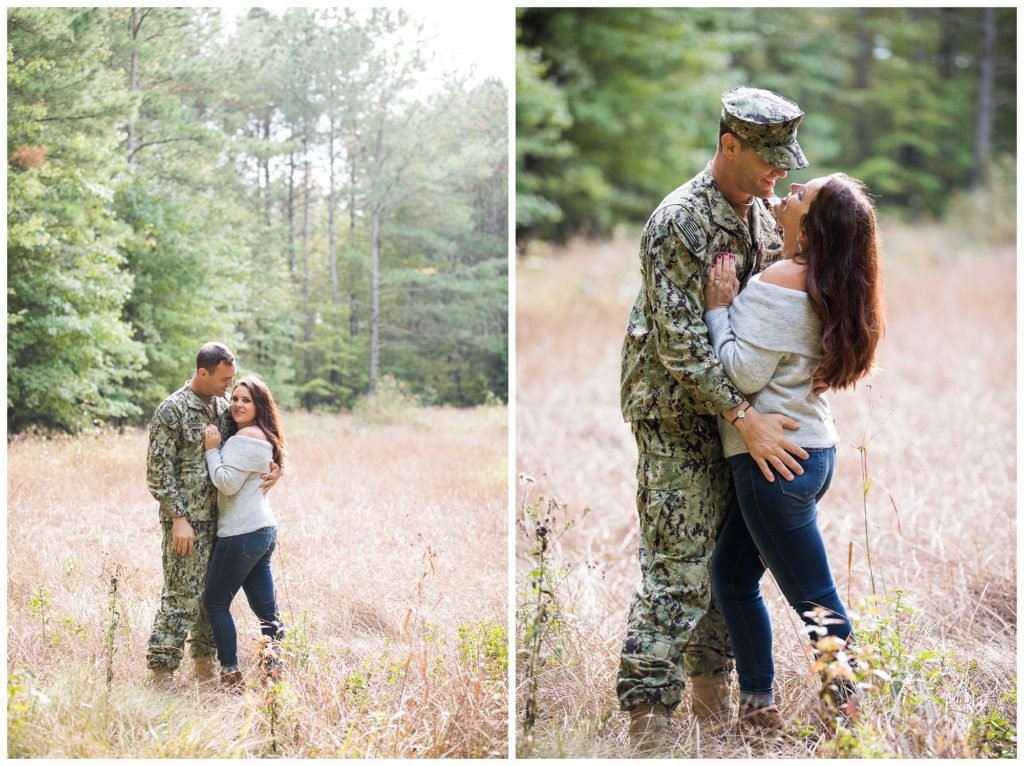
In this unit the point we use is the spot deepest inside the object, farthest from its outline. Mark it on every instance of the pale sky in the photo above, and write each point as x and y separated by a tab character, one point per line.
477	36
469	38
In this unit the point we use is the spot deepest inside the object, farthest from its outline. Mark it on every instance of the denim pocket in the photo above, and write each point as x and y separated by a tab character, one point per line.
255	545
811	482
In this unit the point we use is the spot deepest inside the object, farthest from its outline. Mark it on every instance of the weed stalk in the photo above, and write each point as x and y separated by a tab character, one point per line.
114	617
543	530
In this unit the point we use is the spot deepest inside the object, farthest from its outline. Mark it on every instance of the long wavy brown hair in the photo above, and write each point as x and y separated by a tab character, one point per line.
267	417
844	279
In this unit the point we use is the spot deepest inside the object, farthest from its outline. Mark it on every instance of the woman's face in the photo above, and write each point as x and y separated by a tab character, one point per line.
792	208
243	409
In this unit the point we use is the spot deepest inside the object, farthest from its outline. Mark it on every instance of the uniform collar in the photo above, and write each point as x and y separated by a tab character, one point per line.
197	404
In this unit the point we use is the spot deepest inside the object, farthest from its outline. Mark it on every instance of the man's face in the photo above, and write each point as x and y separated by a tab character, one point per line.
216	383
754	175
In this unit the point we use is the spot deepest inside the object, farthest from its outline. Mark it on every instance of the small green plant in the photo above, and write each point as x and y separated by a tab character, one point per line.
484	645
356	687
17	703
300	647
993	735
543	523
39	606
69	567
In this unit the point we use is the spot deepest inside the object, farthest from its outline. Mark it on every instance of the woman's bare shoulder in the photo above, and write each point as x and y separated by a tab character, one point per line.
786	273
253	432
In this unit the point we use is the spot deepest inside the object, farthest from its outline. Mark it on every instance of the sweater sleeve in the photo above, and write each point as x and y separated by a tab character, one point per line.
226	477
748	366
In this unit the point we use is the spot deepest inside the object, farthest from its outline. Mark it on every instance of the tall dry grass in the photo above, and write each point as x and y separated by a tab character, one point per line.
390	572
939	422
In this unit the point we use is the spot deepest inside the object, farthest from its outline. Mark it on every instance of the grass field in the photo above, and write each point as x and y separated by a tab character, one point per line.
390	570
938	422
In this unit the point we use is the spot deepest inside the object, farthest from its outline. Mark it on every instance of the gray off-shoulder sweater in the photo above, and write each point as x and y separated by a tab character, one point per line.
235	470
769	342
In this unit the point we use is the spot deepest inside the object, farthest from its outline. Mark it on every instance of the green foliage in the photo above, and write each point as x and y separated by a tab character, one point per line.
300	646
994	735
986	217
21	697
484	645
391	403
447	332
171	183
68	349
356	688
602	102
617	107
186	268
897	677
39	606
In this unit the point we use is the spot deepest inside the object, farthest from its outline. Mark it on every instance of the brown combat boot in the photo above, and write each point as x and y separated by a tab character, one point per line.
710	701
205	670
763	718
232	682
160	678
649	730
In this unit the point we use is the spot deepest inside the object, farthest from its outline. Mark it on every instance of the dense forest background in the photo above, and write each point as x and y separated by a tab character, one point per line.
615	108
293	185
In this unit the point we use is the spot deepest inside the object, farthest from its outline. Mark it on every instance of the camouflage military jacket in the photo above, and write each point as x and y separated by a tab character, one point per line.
668	366
176	463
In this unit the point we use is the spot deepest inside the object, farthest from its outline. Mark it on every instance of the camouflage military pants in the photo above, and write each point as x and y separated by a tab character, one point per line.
683	494
181	604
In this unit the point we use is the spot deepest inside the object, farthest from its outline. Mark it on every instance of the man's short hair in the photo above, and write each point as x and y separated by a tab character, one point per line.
211	355
723	129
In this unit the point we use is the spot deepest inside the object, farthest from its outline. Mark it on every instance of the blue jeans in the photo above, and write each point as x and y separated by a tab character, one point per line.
773	524
241	561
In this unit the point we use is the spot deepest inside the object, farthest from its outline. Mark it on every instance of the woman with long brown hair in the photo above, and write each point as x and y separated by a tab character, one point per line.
809	322
246	529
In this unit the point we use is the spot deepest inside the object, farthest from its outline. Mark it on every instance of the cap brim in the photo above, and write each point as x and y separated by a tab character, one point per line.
787	157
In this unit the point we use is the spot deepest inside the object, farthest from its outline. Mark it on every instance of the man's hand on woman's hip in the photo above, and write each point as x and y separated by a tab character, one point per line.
766	440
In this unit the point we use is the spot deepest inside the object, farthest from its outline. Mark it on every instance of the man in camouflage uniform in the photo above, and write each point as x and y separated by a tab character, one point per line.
673	387
177	476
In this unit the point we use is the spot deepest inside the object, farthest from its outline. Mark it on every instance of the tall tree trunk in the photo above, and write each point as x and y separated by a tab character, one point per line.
861	80
332	254
134	26
862	64
351	151
291	215
332	251
374	296
984	111
266	173
948	23
307	332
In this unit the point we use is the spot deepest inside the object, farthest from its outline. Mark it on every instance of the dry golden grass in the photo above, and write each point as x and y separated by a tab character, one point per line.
940	416
392	539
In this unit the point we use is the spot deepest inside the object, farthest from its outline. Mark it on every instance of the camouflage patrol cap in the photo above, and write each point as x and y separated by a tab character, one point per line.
767	122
